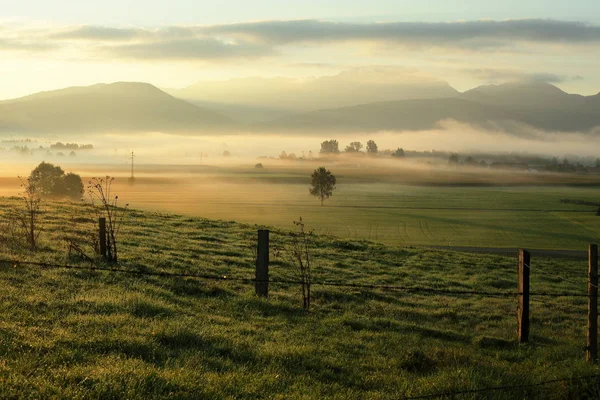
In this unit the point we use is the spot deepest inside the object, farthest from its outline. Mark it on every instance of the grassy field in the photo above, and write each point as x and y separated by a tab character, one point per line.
84	334
454	210
448	208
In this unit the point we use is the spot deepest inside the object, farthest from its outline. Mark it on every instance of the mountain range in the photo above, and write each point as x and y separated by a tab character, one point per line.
507	107
359	101
252	100
117	107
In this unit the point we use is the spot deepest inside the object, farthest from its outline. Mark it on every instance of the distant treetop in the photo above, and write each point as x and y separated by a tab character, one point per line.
330	147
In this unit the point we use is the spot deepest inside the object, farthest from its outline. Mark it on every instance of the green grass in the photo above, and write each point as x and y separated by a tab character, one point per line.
85	334
393	213
451	207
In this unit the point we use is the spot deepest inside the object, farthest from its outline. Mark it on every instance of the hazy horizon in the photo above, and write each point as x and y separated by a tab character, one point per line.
49	45
298	80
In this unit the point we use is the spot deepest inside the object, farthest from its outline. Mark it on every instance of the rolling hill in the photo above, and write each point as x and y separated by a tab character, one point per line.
539	105
419	114
117	107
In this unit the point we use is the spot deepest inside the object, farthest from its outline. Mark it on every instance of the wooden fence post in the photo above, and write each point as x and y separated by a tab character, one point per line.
262	264
102	225
523	289
592	333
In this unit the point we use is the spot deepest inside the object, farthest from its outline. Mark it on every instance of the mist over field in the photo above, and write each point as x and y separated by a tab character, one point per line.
245	148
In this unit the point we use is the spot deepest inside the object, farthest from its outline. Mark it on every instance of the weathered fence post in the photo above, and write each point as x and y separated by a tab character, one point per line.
592	334
262	264
102	224
523	289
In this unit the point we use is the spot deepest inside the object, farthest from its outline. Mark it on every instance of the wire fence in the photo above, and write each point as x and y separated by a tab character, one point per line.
407	289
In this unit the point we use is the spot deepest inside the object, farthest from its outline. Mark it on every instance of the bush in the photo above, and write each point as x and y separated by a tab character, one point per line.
51	180
73	186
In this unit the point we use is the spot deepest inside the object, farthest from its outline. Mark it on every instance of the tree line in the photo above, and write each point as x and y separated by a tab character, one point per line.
333	147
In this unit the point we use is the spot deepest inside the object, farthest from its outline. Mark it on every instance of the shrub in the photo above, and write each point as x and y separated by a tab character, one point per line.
100	190
51	180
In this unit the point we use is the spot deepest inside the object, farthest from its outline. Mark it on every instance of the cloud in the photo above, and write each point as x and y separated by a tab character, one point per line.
471	34
266	38
8	44
190	48
97	33
495	75
314	65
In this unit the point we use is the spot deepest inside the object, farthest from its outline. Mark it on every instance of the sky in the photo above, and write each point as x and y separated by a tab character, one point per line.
47	44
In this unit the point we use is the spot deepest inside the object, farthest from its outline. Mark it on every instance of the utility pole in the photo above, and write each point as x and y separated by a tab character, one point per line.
132	178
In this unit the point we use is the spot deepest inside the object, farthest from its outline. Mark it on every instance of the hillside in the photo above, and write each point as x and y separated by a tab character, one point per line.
245	114
394	115
348	88
524	94
117	107
100	334
539	105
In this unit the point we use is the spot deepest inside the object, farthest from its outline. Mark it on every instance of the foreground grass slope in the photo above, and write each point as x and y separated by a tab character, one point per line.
86	334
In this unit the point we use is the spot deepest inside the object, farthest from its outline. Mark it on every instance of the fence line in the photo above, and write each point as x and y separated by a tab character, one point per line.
500	388
408	289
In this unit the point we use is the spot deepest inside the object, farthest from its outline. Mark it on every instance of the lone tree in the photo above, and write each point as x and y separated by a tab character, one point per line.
330	146
372	147
323	183
51	180
354	147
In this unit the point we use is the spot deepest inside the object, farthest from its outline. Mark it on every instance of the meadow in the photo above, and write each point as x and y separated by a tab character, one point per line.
95	334
399	206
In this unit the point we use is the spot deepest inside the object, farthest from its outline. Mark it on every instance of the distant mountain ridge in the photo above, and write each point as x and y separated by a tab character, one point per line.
116	107
141	107
540	105
348	88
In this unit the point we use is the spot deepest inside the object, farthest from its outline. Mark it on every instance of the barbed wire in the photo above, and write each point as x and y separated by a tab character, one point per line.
546	273
408	289
499	388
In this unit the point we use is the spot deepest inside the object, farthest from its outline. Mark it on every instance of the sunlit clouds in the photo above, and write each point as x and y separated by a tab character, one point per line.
487	51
